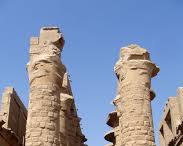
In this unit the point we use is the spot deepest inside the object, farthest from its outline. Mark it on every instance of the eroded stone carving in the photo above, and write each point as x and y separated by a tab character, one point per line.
171	124
13	116
133	125
51	103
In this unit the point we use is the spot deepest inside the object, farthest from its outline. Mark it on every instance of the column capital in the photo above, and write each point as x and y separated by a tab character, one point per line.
48	36
52	34
135	57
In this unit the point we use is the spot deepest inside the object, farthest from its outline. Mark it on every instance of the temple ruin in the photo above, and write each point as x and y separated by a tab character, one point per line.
171	125
13	116
52	115
132	120
51	118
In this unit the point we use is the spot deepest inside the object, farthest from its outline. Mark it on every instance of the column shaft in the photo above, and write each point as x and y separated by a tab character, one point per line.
134	71
45	76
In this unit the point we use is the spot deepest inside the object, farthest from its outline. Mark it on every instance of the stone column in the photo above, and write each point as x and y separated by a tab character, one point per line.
45	75
134	71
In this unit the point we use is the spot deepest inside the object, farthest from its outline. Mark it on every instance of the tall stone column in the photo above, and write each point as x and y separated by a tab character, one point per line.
45	75
134	71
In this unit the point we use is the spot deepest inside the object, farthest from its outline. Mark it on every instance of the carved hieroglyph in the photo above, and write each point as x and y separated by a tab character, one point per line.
132	120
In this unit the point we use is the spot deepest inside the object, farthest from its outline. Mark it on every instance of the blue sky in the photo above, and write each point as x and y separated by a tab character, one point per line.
95	31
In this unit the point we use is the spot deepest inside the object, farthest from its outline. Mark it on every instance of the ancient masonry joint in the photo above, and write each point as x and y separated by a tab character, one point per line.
52	115
171	124
132	120
52	118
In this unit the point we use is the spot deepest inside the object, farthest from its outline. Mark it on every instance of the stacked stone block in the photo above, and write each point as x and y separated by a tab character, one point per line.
52	118
171	124
134	71
45	77
13	116
70	129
